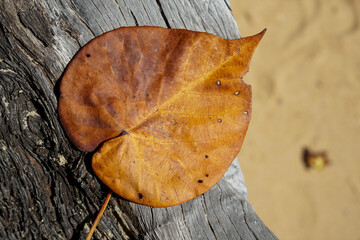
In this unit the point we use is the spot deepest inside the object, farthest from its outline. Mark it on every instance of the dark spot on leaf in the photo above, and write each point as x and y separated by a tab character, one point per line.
140	196
88	55
123	133
206	175
206	156
133	97
200	181
238	50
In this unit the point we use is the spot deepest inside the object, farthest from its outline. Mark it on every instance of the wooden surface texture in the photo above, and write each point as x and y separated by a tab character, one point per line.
47	187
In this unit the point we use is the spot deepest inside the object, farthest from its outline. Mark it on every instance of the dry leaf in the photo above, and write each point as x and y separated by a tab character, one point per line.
169	106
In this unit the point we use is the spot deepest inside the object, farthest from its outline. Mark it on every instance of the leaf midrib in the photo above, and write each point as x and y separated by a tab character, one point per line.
188	87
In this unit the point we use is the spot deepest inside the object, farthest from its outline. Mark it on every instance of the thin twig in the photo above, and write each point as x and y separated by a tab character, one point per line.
98	217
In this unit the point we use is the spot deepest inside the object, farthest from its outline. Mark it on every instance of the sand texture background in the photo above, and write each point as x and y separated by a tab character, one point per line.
305	77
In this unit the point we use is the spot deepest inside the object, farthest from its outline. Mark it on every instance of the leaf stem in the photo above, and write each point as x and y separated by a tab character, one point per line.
98	217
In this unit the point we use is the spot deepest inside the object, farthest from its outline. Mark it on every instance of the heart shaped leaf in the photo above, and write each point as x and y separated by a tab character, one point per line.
167	107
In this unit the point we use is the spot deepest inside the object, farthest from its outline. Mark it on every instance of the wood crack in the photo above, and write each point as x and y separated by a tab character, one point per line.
133	15
205	215
184	219
245	219
163	14
76	13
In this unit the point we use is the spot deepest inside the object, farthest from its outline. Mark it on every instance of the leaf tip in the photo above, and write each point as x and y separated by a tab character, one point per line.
261	34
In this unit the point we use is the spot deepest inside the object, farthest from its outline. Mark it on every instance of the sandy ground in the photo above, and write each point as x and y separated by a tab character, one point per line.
306	93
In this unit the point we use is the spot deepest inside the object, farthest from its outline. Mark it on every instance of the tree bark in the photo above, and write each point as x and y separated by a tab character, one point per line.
47	187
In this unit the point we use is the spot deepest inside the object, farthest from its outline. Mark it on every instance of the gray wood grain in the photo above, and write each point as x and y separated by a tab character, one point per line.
47	187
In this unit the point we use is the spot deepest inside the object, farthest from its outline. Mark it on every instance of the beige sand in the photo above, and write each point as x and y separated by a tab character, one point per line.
306	93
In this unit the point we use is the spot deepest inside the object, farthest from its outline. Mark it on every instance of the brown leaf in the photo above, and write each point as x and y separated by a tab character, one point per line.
169	106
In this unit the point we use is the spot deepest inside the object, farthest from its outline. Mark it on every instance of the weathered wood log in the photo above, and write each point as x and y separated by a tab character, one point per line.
47	187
